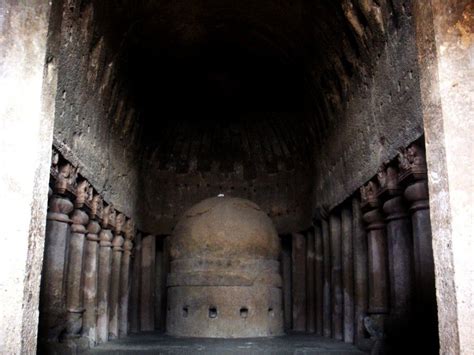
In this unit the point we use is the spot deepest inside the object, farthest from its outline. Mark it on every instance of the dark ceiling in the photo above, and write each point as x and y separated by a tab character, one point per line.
234	71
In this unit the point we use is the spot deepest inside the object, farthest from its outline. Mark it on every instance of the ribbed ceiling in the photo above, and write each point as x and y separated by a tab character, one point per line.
244	81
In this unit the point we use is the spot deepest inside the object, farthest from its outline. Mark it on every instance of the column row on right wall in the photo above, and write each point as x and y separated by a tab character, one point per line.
364	273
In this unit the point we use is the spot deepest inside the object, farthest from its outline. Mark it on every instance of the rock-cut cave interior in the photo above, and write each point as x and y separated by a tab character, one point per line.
231	175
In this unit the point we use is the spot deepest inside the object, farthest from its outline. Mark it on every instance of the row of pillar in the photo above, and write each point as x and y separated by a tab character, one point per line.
364	273
150	268
324	269
86	270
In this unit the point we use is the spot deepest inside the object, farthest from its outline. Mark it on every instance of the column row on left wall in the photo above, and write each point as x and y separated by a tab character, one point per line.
85	282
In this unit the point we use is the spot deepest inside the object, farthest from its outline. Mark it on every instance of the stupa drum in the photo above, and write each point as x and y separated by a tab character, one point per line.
224	278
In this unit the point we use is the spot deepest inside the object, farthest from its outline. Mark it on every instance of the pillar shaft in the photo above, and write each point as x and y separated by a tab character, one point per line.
159	285
53	285
347	274
426	310
327	279
318	274
400	249
105	263
117	251
286	273
310	291
91	258
134	313
377	262
336	276
74	276
417	194
125	278
147	296
360	270
298	261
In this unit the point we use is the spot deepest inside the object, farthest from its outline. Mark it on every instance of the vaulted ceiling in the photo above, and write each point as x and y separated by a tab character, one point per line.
223	81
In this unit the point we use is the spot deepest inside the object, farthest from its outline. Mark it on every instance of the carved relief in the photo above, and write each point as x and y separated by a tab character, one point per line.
382	176
65	172
387	177
54	163
368	194
97	205
82	192
412	160
119	223
129	229
108	217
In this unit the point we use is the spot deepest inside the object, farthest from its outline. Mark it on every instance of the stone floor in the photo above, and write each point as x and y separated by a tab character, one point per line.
154	343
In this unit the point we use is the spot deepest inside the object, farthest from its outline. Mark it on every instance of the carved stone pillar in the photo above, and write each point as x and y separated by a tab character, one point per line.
160	277
377	259
75	262
336	275
417	193
134	315
400	255
285	265
147	296
129	232
347	274
299	281
103	287
360	271
310	292
53	281
318	274
117	244
377	250
90	273
327	276
413	175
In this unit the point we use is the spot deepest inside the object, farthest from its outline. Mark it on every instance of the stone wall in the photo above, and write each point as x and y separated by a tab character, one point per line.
359	103
96	126
26	124
380	113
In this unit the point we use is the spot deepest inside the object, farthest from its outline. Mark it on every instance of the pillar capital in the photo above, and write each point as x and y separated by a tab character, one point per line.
395	208
417	194
387	177
374	220
105	238
93	229
59	208
118	240
79	221
117	243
